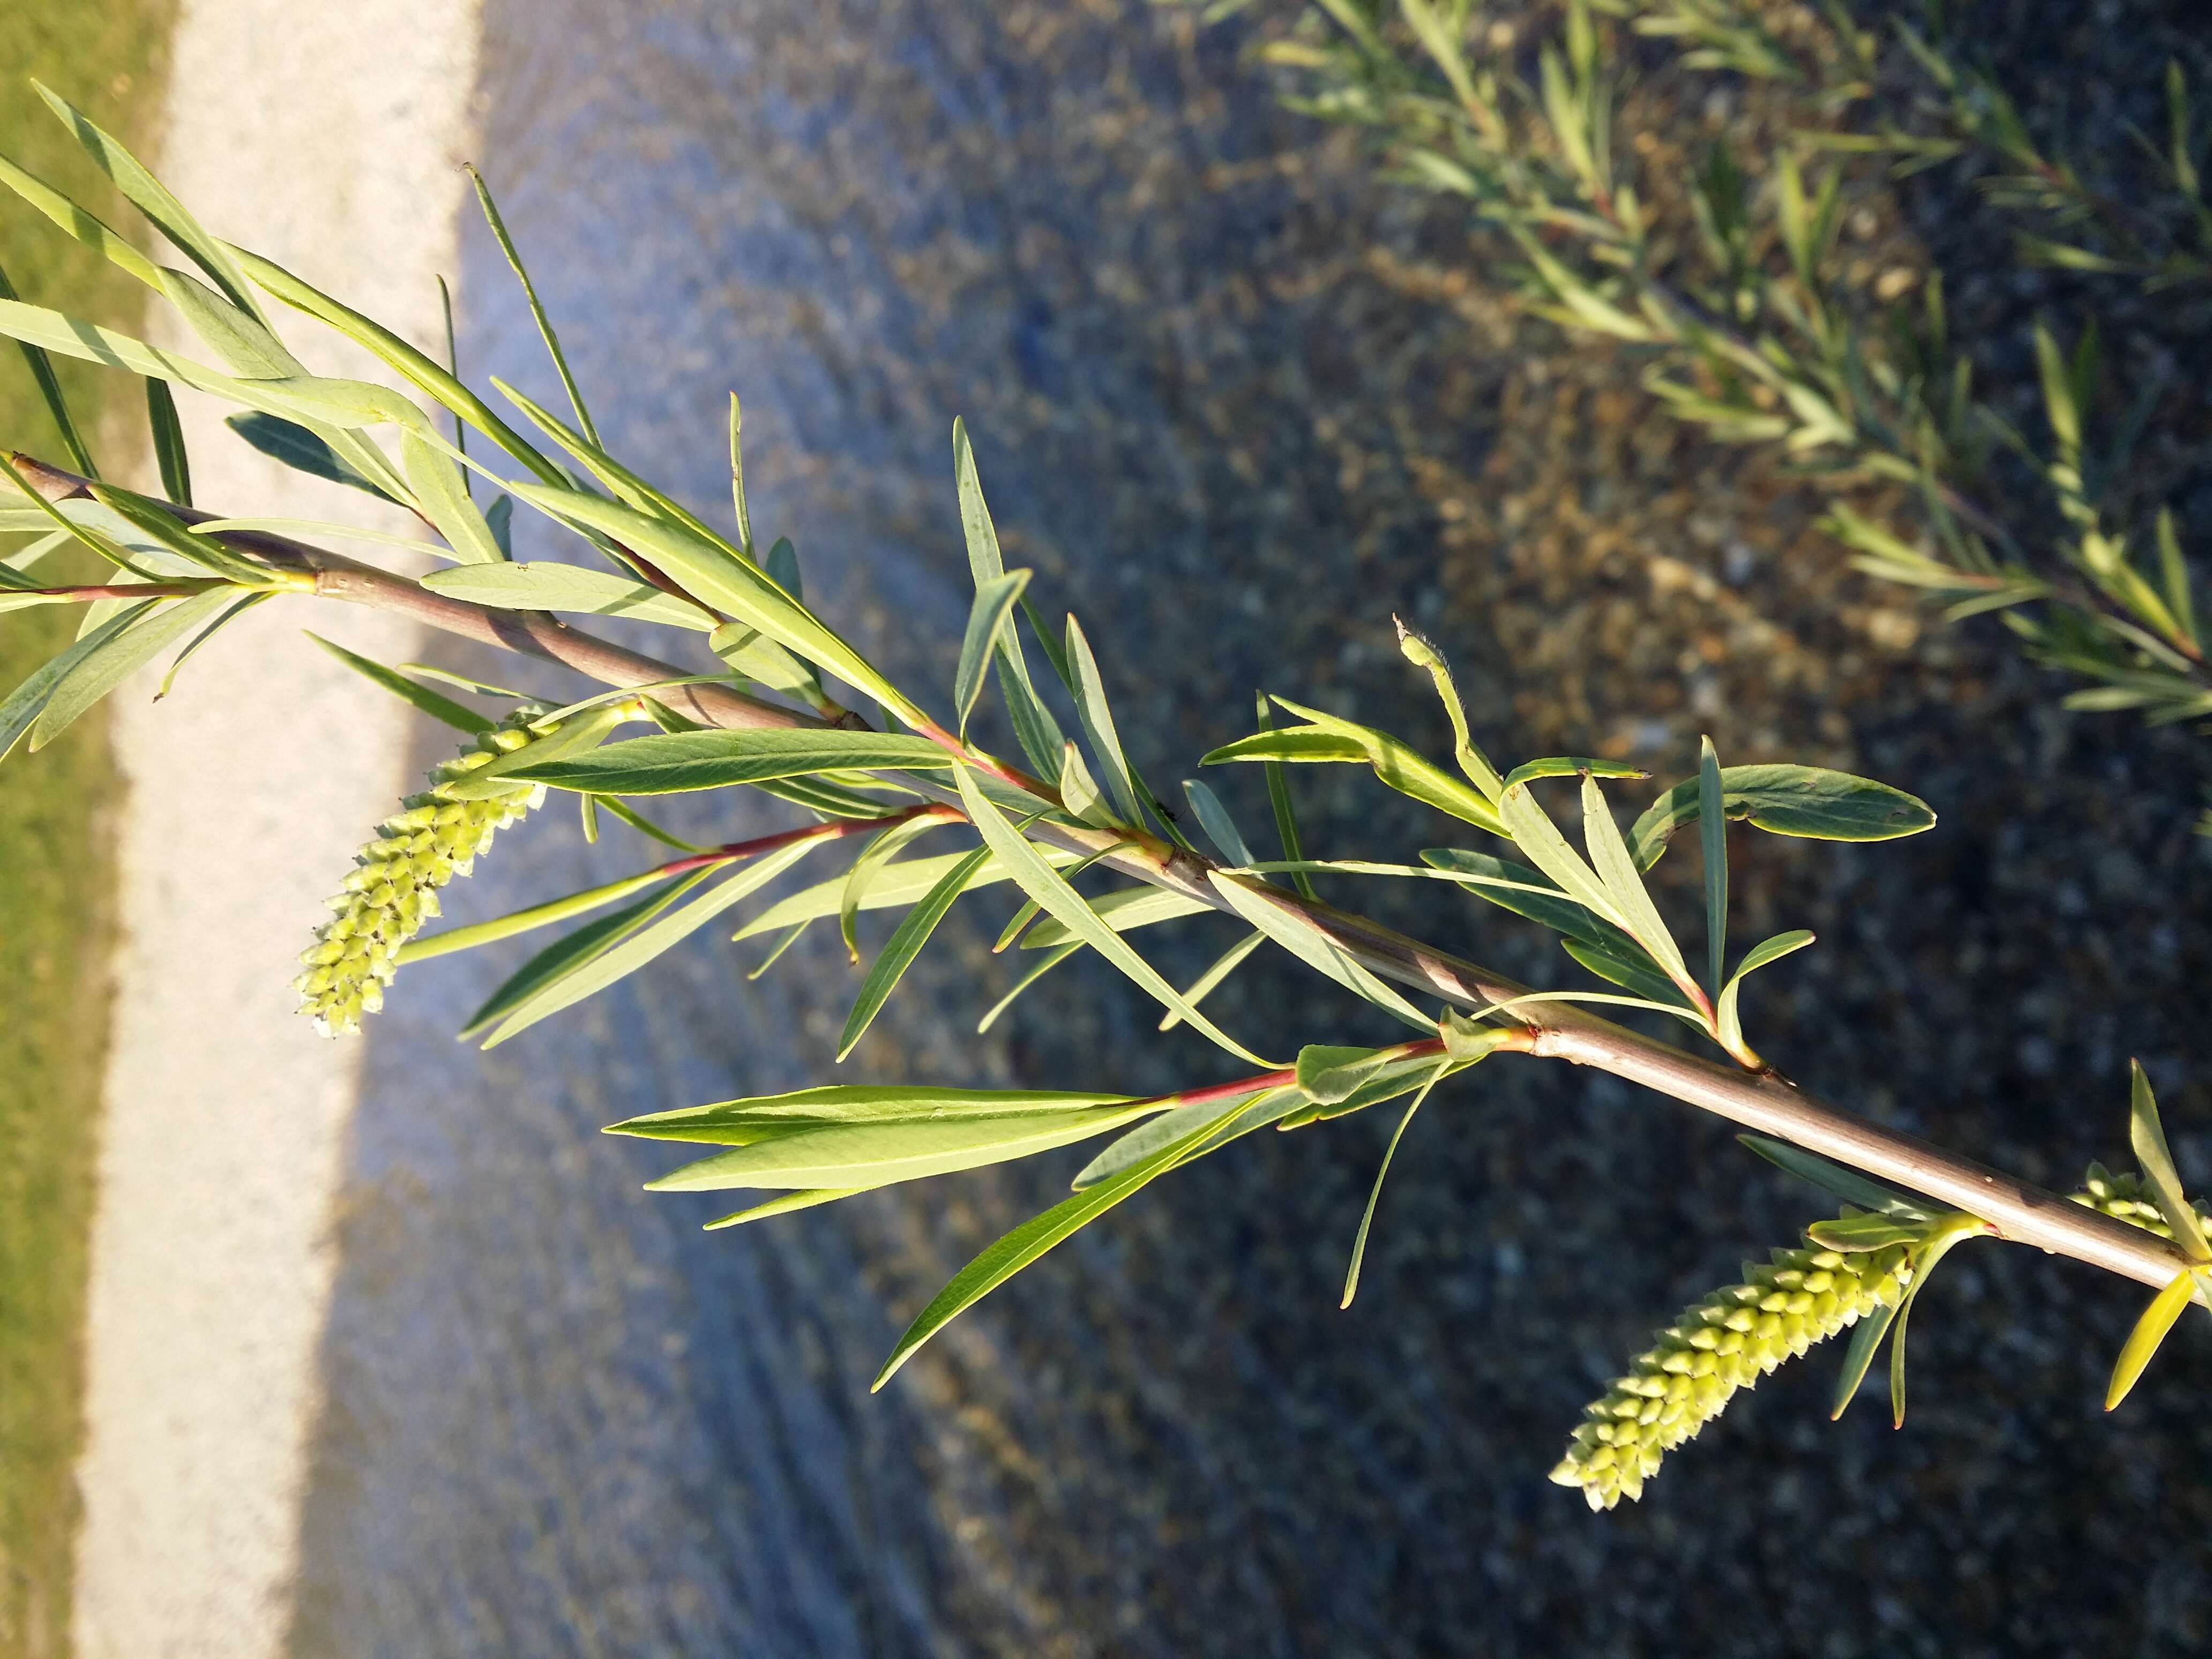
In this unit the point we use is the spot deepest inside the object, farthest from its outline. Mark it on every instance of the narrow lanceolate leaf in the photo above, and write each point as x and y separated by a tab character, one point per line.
987	624
1034	728
1220	970
146	193
102	671
1052	960
898	883
545	585
901	949
1097	718
1052	891
1311	946
168	443
564	955
50	390
436	706
1535	834
438	487
1787	800
22	706
894	1145
524	920
674	761
1030	1240
1421	652
289	442
1124	910
1713	830
757	1117
1285	810
530	292
633	953
1609	856
1213	818
881	849
1846	1184
1328	737
2148	1137
1858	1358
1728	1014
1375	1193
420	370
720	578
2150	1330
1170	1125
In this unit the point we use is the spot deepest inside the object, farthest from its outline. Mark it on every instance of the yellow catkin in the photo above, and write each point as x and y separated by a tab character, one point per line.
393	890
1726	1342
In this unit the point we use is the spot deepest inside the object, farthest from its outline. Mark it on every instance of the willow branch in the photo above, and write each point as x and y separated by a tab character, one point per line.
1762	1102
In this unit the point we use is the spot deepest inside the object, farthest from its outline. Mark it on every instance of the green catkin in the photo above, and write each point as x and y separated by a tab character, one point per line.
394	888
1726	1342
2127	1198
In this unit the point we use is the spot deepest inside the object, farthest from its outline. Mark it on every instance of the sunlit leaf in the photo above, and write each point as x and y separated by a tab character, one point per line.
1789	800
901	949
675	761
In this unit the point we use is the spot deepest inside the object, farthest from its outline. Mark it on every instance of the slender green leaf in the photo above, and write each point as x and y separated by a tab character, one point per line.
900	951
1050	889
28	701
1030	1240
738	479
169	455
675	761
1097	718
986	624
1223	965
783	1204
545	585
1858	1358
880	850
1290	930
1214	817
145	192
2150	1330
1375	1193
445	499
1568	766
881	1153
530	292
1632	900
1179	1124
1855	1233
420	370
1535	834
647	942
1421	652
1728	1018
782	567
299	449
1712	828
524	921
2148	1137
1123	910
1079	795
1846	1184
571	951
1052	960
1787	800
122	656
50	390
1285	811
721	578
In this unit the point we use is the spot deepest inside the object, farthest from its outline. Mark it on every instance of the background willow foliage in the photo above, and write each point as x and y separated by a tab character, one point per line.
1754	324
776	709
